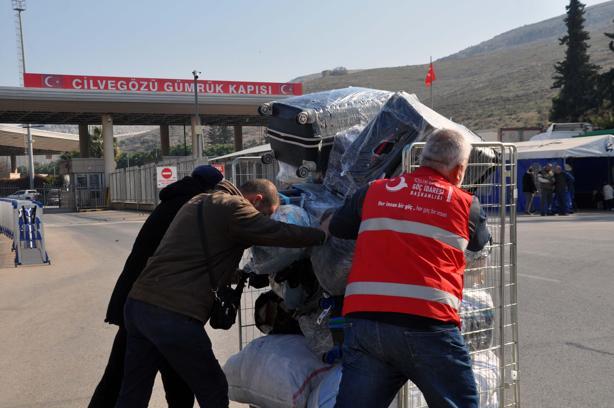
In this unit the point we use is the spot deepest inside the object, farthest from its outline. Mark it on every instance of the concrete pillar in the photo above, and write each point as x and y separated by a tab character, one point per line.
164	140
13	163
107	146
197	146
84	141
238	138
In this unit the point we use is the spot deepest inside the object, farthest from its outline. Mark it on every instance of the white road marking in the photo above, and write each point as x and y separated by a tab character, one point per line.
90	224
539	278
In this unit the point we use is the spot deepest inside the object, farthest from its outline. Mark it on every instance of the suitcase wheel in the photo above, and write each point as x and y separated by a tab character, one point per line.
266	109
307	116
267	158
302	172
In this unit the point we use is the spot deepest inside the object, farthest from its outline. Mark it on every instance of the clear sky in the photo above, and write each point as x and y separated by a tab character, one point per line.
256	40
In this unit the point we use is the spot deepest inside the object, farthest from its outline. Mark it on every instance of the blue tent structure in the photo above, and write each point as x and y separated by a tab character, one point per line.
591	159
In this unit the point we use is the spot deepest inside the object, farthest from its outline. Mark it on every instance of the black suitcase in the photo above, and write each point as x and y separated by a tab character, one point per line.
301	129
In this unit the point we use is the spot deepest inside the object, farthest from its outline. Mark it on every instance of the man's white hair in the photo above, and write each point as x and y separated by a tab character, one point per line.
445	149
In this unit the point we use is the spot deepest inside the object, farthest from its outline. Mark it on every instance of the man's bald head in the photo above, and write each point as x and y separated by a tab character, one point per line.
262	194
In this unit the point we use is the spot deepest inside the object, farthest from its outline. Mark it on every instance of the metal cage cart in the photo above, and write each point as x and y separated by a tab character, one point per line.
489	312
490	307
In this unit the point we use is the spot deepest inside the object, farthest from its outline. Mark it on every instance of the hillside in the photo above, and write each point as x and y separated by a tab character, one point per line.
501	82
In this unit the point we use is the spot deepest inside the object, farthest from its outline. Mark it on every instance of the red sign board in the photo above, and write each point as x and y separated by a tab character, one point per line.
166	173
125	84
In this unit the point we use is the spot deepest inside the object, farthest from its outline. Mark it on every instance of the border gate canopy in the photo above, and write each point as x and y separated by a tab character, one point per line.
74	99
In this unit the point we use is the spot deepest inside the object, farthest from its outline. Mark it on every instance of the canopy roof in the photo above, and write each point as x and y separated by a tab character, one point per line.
590	146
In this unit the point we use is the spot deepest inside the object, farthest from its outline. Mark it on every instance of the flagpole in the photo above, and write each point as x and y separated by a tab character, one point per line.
431	64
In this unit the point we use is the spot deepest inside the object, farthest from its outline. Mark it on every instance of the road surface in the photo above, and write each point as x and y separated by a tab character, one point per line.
54	344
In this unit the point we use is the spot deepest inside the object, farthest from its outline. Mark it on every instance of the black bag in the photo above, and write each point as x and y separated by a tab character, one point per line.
227	300
226	306
271	316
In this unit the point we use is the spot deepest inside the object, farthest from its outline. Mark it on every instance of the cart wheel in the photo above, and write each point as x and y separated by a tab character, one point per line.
267	158
302	172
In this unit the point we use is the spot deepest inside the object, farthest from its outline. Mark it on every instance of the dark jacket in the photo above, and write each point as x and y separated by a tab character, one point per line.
346	221
178	276
528	183
560	182
172	198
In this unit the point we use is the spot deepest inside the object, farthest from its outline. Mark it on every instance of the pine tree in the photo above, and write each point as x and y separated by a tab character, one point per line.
575	76
611	36
605	115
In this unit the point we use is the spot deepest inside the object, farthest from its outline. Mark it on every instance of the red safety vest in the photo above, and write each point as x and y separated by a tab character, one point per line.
409	254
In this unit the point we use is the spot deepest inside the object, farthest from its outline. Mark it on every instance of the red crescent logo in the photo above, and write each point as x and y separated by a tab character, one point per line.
402	184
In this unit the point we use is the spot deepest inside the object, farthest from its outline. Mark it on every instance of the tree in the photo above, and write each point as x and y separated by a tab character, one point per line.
180	150
611	36
604	117
96	147
575	76
220	149
219	135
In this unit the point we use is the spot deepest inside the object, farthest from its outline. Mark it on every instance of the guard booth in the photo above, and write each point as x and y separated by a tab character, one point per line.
84	183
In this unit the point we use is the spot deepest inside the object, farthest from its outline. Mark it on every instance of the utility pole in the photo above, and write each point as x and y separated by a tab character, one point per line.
19	6
198	145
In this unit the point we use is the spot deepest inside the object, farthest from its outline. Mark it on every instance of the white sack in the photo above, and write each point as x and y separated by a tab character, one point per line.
275	371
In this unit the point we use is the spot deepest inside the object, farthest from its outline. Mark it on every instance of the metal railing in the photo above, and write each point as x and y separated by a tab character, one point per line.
137	185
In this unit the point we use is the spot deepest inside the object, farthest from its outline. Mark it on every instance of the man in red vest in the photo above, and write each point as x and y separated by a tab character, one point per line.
405	286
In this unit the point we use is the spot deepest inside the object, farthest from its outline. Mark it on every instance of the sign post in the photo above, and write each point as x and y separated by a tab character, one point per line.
166	175
160	85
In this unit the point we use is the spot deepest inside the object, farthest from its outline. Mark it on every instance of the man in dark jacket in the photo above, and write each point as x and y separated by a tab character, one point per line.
172	299
545	179
529	189
560	189
172	198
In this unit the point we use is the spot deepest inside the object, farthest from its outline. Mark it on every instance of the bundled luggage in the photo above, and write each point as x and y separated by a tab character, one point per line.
275	371
335	142
301	129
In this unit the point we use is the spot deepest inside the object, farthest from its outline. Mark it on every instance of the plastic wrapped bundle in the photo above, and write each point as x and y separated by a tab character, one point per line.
301	128
477	314
270	260
332	263
275	371
377	151
486	371
333	179
317	200
318	336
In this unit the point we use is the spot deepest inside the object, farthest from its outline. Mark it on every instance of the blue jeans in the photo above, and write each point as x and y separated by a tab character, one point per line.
155	334
546	201
378	358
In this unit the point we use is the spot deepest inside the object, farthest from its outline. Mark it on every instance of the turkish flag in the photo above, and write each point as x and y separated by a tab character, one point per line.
430	76
52	81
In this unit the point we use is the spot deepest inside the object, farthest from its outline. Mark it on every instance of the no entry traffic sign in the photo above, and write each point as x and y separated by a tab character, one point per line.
166	175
